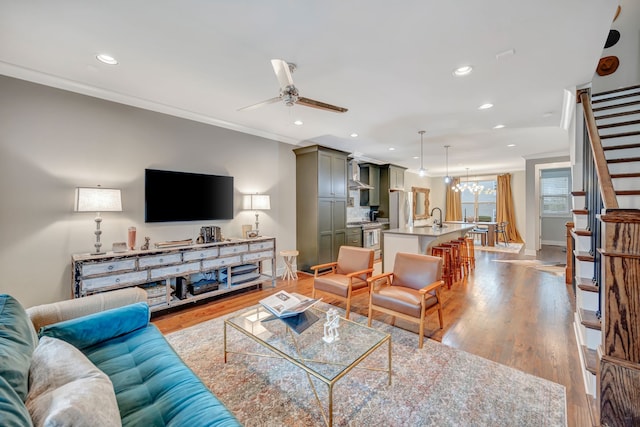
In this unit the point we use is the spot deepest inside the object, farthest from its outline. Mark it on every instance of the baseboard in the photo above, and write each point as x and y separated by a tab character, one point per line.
531	252
554	242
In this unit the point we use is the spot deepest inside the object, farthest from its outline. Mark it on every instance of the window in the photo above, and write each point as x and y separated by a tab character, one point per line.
480	205
554	192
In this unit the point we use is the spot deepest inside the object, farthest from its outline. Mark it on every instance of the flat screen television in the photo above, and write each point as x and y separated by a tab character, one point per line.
181	196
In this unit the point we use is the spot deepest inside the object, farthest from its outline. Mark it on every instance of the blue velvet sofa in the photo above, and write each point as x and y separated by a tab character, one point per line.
151	385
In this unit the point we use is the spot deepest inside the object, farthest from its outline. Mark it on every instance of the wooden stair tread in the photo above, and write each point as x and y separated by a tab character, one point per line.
582	211
584	256
625	175
627	160
589	319
622	147
614	125
590	359
580	232
628	193
587	285
620	135
579	193
620	114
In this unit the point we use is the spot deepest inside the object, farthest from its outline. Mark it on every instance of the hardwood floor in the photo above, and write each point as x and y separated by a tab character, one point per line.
506	312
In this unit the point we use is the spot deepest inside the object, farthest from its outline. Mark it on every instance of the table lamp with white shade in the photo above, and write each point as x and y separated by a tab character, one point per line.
257	202
98	199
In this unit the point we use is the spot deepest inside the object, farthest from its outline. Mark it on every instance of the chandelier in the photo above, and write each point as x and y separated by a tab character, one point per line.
472	187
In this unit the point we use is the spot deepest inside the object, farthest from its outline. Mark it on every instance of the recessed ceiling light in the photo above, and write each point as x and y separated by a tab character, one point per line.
106	59
298	123
511	145
354	135
463	71
391	149
416	157
485	106
498	126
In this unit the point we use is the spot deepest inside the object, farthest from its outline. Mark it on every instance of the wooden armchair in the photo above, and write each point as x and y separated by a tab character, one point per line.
347	275
410	291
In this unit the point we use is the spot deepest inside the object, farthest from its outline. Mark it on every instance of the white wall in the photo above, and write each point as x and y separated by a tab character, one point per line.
52	141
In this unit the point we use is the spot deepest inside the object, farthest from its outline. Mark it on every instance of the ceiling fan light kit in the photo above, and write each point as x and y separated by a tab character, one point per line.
289	94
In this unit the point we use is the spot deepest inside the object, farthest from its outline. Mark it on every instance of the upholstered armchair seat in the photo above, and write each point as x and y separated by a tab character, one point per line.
345	276
338	284
410	291
403	300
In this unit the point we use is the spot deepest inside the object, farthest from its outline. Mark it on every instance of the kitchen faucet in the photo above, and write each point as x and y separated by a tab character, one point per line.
440	211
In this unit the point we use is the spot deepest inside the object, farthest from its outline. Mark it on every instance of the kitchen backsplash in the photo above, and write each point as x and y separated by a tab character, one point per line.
355	212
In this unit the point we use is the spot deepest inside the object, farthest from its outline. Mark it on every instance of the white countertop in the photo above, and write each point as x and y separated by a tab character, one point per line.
430	231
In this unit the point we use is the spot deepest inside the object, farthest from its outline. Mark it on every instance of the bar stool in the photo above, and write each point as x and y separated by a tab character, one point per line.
289	257
464	255
471	253
445	254
456	261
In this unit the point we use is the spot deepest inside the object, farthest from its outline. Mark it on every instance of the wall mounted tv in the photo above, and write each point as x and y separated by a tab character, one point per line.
181	196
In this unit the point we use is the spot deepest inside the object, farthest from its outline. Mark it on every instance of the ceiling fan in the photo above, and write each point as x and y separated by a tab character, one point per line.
289	93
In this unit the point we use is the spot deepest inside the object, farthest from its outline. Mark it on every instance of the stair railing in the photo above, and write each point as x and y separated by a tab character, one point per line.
609	199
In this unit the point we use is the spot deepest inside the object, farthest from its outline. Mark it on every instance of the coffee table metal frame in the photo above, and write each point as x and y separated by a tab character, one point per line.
297	360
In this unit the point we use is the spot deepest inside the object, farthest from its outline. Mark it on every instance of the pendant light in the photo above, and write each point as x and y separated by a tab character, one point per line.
422	170
447	178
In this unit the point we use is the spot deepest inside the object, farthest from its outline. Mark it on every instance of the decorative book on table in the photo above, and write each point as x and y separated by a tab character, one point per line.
284	304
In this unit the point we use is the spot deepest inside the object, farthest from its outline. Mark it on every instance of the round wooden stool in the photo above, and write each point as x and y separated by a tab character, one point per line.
289	258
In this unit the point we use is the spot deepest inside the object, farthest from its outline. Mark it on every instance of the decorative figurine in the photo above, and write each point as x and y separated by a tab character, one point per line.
145	247
331	326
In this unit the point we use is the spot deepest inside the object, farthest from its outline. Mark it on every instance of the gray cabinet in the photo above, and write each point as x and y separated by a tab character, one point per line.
391	178
370	174
354	236
321	204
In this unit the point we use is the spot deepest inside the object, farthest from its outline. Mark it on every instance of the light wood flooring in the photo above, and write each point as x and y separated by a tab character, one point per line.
506	312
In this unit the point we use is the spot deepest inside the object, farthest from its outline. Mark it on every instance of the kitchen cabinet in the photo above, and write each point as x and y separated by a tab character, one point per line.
321	204
391	178
354	236
370	174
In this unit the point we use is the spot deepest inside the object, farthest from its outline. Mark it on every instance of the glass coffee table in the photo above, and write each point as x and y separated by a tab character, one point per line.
327	362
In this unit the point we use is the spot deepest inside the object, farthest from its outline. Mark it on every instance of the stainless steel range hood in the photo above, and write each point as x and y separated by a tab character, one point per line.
354	177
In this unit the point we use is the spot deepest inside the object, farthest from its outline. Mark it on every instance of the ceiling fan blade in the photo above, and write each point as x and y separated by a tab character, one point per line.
283	73
260	104
320	105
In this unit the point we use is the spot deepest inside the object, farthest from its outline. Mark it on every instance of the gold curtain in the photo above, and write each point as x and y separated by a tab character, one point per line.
505	208
454	205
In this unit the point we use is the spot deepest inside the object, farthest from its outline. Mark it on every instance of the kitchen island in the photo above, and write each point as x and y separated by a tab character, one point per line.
418	240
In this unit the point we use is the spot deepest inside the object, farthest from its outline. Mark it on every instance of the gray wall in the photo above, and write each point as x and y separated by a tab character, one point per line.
52	141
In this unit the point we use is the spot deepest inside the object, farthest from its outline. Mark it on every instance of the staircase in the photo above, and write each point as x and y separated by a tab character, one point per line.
606	256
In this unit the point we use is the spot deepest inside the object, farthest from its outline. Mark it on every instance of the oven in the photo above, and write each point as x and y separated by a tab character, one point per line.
371	238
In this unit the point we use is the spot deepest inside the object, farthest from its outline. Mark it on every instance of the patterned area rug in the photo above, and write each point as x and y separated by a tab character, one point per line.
433	386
